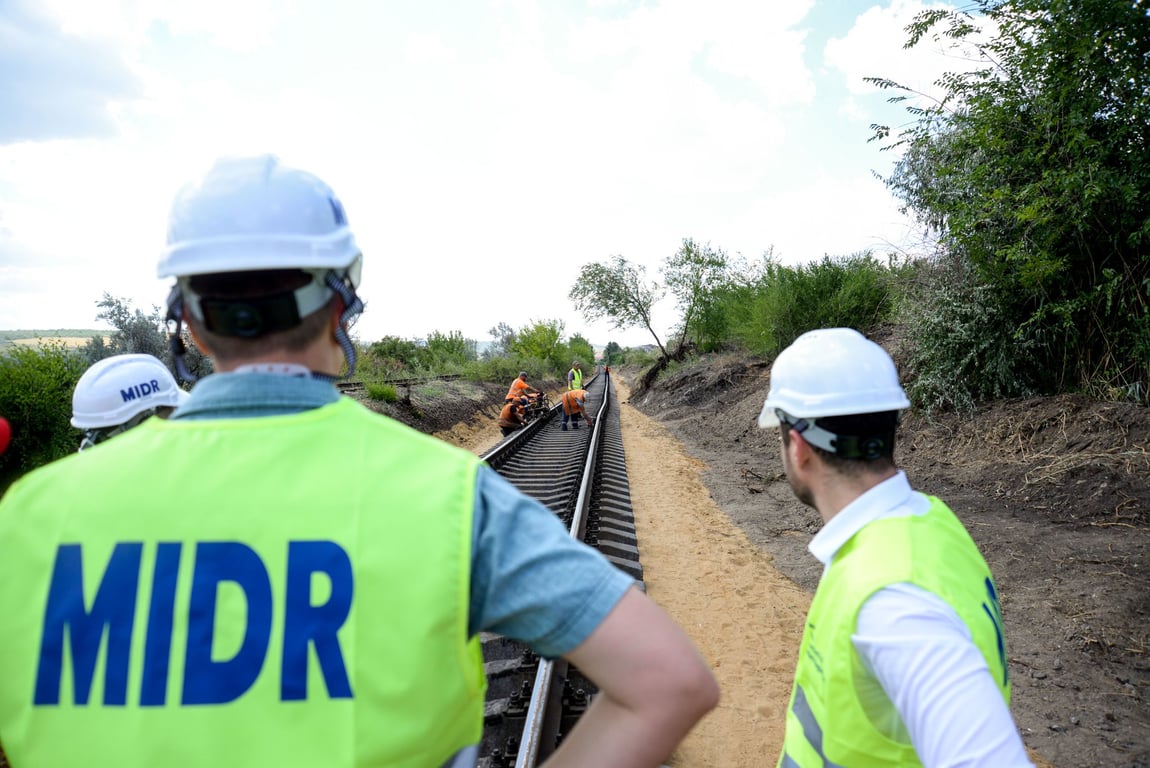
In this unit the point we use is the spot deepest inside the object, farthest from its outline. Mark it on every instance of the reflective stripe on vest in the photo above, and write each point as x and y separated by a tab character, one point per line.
575	381
811	730
826	723
241	591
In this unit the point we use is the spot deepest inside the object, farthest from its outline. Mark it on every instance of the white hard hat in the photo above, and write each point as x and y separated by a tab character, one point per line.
117	388
832	372
252	213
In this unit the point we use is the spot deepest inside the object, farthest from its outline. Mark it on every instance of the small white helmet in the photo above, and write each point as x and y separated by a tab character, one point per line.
832	372
116	389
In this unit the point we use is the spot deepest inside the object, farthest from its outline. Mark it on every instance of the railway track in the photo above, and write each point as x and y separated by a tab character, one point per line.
359	386
580	475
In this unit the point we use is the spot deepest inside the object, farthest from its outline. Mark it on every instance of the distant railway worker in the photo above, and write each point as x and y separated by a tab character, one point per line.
120	392
574	408
575	376
5	434
903	659
520	387
512	417
279	576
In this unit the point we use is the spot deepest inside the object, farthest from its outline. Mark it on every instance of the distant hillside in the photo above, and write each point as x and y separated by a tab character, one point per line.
69	336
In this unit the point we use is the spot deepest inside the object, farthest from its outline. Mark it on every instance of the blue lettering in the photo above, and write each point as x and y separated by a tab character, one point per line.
207	681
158	640
305	624
994	613
75	629
113	611
128	394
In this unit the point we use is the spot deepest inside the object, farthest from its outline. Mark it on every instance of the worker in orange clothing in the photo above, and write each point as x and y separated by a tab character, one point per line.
520	387
574	408
512	417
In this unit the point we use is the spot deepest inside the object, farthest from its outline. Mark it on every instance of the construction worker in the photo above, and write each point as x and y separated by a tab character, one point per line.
574	408
575	376
279	576
903	659
520	387
120	392
512	417
5	434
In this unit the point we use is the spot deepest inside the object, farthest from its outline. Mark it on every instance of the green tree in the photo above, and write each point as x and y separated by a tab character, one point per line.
504	337
581	349
542	340
694	274
617	290
612	353
1036	170
393	357
135	332
446	349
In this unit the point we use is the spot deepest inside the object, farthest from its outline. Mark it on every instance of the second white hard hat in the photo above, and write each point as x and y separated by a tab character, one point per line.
832	372
117	388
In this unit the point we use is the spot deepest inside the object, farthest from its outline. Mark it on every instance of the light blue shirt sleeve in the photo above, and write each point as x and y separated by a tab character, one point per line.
530	581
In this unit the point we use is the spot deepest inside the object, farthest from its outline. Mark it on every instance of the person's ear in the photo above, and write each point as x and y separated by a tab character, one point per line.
193	331
799	448
337	310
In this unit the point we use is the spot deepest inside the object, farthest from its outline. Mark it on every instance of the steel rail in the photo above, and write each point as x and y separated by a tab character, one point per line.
539	713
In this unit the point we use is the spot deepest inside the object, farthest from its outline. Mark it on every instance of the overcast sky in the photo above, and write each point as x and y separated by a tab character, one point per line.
483	149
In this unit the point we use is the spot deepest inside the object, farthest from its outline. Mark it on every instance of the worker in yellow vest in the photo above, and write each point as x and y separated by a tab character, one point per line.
903	660
575	376
277	575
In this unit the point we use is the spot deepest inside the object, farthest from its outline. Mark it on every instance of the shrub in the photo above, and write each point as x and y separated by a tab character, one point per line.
772	309
964	343
36	385
384	392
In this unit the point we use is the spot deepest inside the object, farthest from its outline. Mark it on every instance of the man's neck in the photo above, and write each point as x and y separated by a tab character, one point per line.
840	490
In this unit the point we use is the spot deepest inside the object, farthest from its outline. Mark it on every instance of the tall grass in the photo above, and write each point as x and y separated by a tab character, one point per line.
767	311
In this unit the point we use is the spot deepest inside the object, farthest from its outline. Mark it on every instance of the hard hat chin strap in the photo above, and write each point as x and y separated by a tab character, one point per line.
176	345
341	285
97	435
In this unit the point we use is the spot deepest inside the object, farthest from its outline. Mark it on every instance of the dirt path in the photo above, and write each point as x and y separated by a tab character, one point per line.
745	617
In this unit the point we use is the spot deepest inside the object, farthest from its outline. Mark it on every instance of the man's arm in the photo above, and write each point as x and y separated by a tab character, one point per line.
653	687
531	581
922	655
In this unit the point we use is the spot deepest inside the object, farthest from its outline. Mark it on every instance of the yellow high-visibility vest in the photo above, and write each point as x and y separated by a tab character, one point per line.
289	590
826	724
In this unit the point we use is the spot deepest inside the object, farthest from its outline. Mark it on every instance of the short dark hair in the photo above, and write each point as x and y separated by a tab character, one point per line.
875	430
237	287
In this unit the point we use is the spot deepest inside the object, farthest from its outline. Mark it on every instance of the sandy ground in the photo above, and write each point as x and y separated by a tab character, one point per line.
745	617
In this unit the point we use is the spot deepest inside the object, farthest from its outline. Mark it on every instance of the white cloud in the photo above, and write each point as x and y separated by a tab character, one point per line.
874	47
483	154
56	84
